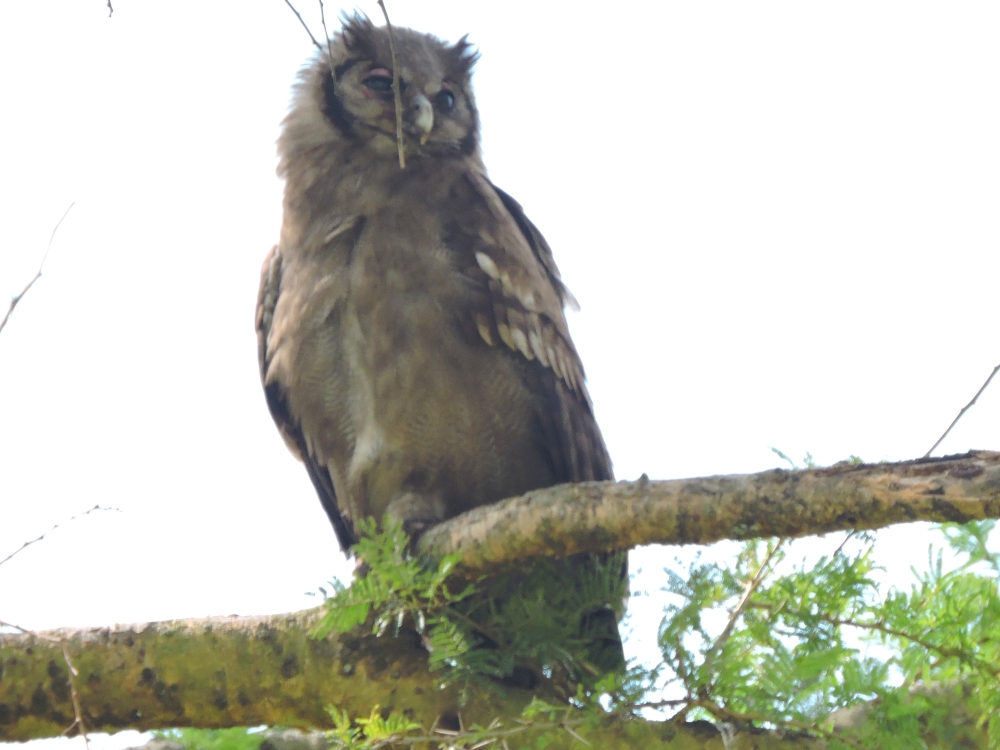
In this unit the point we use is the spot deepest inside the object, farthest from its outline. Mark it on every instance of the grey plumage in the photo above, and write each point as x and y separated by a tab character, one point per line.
412	341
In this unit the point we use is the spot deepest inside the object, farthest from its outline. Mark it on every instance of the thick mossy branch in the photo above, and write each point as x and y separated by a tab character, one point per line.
220	672
239	671
605	516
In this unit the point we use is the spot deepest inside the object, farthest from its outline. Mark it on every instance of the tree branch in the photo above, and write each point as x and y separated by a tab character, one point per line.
234	671
605	516
246	671
219	672
751	586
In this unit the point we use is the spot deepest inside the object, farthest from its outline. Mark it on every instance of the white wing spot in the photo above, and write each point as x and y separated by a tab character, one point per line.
522	342
340	228
504	332
551	355
536	345
486	263
483	325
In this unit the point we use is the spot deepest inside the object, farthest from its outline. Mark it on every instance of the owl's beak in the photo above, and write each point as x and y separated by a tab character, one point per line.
421	114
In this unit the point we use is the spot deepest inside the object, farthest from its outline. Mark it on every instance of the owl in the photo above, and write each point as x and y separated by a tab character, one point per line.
412	343
411	337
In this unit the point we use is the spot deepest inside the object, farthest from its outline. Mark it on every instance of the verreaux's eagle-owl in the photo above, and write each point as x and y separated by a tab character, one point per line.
412	341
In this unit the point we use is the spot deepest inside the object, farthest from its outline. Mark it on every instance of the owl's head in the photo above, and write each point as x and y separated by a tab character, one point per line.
352	99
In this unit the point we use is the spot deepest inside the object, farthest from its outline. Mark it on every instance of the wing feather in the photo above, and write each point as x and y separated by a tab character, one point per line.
522	308
277	402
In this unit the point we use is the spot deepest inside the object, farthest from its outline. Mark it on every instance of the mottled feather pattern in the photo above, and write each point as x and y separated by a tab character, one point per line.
412	341
527	320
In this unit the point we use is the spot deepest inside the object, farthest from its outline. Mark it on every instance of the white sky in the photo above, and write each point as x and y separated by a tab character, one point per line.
781	219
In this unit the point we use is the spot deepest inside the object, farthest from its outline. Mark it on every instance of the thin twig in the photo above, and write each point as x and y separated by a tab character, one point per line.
847	538
660	704
304	26
40	538
17	297
395	88
76	699
952	653
39	636
73	674
329	45
751	586
570	729
965	409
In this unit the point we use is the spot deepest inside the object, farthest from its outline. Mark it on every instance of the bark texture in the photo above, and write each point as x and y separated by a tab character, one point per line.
237	671
245	671
218	672
605	516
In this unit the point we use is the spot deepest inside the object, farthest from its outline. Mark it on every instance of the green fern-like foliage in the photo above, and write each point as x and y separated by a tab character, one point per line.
755	641
542	619
397	587
789	656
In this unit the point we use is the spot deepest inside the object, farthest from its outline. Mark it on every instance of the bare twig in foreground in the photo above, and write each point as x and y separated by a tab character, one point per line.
73	672
41	636
17	297
964	409
75	697
56	526
395	88
329	44
305	26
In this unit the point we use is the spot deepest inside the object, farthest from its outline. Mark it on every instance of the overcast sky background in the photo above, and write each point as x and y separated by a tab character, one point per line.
780	218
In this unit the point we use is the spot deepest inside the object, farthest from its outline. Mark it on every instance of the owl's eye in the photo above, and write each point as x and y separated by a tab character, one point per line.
378	83
445	100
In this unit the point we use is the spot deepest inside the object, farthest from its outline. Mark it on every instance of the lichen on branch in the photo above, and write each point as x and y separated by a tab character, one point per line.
605	516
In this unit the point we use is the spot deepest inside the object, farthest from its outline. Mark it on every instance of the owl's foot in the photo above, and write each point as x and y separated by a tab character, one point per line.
416	512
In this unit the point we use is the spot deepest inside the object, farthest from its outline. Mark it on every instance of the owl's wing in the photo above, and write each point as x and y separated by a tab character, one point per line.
523	310
277	403
540	246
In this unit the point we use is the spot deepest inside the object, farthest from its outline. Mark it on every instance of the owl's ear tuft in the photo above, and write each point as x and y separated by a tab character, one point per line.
462	55
359	35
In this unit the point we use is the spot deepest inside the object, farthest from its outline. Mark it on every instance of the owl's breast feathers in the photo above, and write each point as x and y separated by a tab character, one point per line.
415	354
